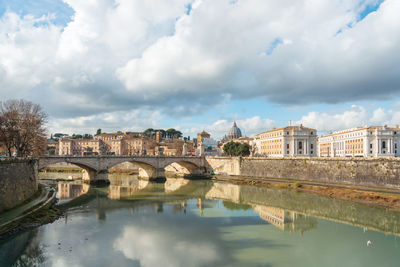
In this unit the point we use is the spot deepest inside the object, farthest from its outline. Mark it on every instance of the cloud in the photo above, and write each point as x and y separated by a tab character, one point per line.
249	127
126	55
356	116
158	248
109	122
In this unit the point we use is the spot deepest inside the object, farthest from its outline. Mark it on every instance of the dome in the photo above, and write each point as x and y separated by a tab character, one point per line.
234	132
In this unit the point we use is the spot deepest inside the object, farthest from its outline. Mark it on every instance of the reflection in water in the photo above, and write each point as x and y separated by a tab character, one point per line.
71	190
173	184
139	223
286	220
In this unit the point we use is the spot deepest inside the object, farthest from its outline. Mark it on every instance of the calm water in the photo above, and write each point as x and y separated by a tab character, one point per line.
203	223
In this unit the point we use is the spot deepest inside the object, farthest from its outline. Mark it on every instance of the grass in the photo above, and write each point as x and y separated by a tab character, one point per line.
297	184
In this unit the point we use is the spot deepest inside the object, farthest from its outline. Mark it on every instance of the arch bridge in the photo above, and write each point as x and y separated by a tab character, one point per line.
150	167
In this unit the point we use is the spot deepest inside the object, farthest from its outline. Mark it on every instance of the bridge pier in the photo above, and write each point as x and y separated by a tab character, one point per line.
151	174
94	177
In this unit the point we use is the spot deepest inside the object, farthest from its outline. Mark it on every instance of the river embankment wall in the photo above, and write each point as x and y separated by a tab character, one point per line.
380	172
17	182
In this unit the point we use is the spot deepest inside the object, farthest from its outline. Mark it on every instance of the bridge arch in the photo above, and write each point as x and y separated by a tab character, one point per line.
182	168
146	170
88	170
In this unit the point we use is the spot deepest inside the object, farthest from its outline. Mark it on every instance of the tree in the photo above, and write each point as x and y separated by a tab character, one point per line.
87	136
149	132
76	136
98	131
236	149
173	133
22	128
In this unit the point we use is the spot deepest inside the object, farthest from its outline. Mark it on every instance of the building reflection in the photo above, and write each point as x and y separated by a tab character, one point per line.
71	190
117	192
286	220
283	219
173	184
221	191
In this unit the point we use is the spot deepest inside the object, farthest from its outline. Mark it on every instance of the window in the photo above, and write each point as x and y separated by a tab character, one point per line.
312	152
312	146
287	146
370	146
395	145
300	145
383	144
311	133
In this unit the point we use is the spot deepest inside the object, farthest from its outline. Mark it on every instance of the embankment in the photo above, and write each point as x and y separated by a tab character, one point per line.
379	172
17	182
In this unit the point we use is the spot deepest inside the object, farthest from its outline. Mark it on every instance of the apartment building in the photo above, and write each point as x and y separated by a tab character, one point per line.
289	141
374	141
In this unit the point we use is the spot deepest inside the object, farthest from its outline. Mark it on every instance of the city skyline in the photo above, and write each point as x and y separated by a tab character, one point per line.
200	65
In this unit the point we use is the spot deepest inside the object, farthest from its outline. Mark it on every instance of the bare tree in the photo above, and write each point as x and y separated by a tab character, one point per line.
22	127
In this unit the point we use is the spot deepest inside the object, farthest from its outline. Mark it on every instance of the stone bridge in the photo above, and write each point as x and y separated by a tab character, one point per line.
150	167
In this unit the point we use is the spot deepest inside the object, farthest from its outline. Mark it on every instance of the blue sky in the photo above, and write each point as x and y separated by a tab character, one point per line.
118	65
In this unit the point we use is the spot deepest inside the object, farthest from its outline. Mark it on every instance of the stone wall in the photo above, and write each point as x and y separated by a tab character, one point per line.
17	182
224	165
382	172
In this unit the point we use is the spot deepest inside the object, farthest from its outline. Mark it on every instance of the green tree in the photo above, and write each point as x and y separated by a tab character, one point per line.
243	150
76	136
236	149
98	131
173	133
149	132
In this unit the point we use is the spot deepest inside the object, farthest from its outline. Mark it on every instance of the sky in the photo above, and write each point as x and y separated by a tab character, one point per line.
199	65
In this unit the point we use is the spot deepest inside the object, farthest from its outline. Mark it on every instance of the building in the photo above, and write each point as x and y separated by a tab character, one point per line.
200	137
234	133
81	147
290	141
126	144
374	141
52	146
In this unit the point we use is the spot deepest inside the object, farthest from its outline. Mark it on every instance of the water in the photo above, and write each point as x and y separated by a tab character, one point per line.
203	223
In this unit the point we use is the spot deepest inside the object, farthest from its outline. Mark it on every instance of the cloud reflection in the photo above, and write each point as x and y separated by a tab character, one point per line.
164	248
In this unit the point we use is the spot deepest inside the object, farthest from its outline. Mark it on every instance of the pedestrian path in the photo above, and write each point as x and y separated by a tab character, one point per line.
16	213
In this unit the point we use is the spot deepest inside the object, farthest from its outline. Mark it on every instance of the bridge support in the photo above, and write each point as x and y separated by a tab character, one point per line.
152	174
94	177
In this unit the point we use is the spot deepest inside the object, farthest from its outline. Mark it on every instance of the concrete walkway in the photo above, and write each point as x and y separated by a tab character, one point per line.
19	212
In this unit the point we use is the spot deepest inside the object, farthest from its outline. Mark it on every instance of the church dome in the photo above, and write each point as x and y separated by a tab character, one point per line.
234	132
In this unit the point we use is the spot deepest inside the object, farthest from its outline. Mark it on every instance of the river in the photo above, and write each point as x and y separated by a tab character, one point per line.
205	223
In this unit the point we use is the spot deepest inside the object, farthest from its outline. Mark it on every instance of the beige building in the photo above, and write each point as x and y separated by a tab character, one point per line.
201	136
374	141
290	141
81	147
124	144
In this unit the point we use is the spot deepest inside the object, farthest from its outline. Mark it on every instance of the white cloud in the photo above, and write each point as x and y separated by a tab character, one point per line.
249	127
356	116
118	55
109	122
158	248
